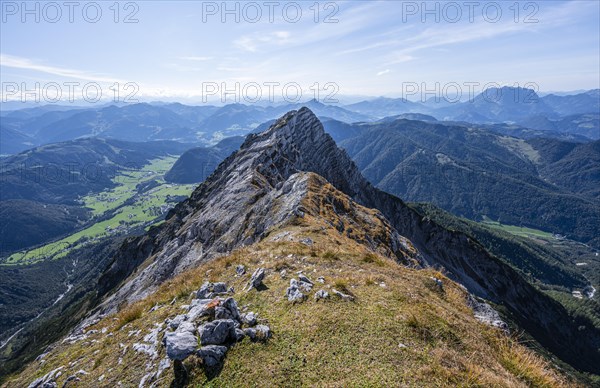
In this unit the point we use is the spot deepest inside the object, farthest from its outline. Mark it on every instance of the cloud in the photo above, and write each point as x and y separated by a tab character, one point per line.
386	71
27	64
252	42
442	36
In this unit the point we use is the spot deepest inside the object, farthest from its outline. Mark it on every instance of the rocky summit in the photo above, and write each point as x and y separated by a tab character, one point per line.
286	267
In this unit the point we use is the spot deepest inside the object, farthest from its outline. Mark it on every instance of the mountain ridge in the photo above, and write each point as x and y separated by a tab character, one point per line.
297	142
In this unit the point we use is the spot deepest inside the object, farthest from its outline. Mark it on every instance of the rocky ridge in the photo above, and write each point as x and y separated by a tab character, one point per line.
382	323
262	187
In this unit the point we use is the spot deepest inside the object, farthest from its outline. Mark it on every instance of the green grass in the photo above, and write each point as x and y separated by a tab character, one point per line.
518	230
126	182
143	212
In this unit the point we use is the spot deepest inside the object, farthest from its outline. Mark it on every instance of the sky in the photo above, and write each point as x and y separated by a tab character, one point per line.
332	50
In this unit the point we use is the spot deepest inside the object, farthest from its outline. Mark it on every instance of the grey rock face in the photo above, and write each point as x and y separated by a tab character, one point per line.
203	309
220	288
345	297
486	314
258	333
304	279
180	344
256	279
249	318
174	323
271	168
204	291
293	292
217	332
239	335
321	294
186	326
212	355
264	183
48	380
209	290
227	310
240	270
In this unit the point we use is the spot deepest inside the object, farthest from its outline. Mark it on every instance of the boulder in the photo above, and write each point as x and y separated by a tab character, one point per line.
220	288
174	323
304	279
485	313
48	380
71	381
307	241
186	326
180	344
217	332
198	302
249	318
321	294
293	292
206	308
240	270
227	310
256	279
306	287
212	355
204	291
208	290
258	333
345	297
239	335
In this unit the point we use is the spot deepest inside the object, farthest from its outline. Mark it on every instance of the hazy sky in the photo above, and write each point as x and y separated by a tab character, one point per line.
180	49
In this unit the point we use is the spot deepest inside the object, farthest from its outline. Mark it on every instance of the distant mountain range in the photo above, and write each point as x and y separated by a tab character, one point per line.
24	129
570	115
575	114
472	172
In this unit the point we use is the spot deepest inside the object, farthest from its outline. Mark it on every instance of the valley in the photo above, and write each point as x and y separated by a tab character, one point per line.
139	199
300	194
273	184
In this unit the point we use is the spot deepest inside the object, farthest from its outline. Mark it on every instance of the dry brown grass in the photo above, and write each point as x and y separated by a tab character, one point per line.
129	314
526	365
332	343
